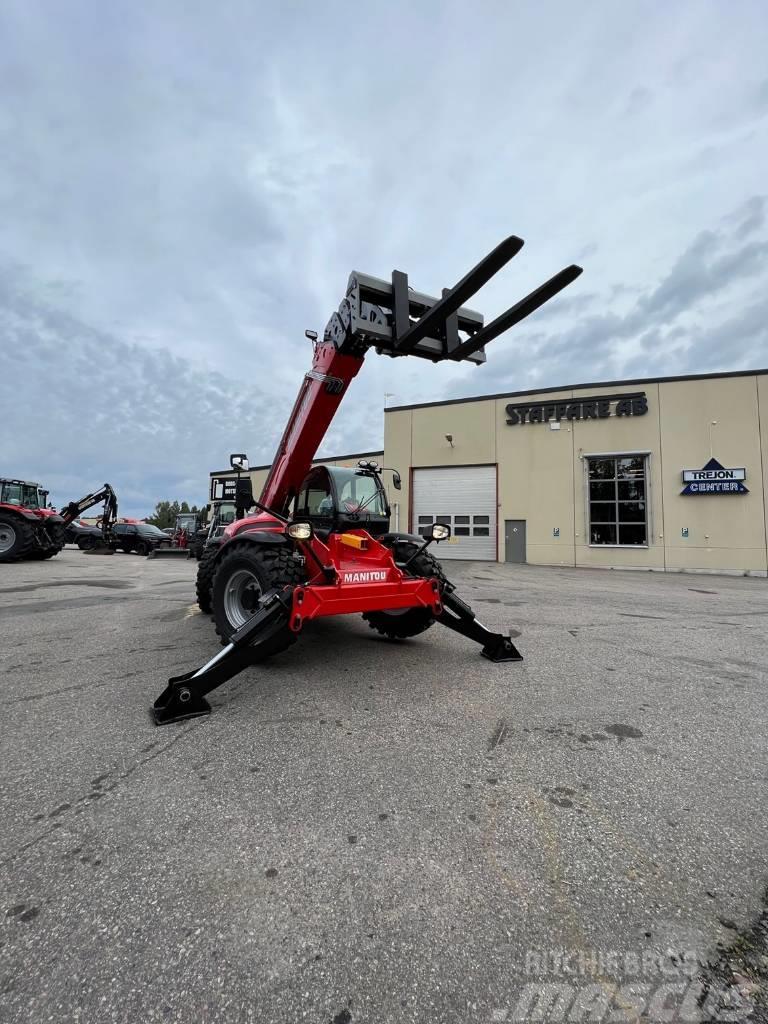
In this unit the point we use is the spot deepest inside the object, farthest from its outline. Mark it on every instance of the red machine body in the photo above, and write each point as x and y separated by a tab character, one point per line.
366	580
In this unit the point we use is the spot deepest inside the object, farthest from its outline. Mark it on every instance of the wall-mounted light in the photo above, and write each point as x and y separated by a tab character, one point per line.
449	439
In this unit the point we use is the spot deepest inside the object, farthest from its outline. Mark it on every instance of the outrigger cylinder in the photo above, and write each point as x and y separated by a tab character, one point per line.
184	696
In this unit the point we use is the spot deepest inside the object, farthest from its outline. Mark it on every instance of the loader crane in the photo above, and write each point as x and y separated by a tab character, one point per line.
107	520
320	544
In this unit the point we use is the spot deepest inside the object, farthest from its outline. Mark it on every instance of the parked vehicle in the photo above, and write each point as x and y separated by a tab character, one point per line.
140	538
28	528
83	534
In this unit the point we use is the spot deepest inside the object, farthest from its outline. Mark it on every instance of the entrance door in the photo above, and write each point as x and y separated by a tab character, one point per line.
514	540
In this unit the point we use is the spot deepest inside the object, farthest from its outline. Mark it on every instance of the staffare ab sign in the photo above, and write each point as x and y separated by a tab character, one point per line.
714	479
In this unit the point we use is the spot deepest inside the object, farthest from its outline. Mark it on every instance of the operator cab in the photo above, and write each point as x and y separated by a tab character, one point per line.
334	499
22	493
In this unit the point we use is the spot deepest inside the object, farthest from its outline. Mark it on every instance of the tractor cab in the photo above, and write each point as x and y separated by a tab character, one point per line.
336	498
22	494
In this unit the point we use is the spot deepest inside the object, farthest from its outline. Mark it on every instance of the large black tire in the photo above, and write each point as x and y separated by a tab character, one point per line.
400	624
244	572
41	553
204	584
16	538
56	533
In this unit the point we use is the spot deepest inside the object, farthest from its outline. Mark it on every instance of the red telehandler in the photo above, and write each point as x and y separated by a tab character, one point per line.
29	529
321	544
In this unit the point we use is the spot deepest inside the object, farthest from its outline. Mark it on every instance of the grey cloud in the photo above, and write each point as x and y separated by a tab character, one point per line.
638	100
90	408
751	217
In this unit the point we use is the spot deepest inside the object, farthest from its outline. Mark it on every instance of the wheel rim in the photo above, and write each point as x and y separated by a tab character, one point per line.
241	597
7	537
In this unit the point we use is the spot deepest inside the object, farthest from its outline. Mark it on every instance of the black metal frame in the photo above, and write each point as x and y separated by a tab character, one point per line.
265	634
184	696
395	319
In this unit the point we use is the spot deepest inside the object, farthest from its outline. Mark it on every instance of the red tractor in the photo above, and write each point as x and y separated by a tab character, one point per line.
30	529
321	543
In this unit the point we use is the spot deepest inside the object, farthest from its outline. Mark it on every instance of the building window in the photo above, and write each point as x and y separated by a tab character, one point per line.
618	509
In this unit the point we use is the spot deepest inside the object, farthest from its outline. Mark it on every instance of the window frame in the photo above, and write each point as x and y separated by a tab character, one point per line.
645	454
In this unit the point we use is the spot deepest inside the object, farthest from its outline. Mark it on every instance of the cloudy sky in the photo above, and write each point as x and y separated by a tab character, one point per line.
185	187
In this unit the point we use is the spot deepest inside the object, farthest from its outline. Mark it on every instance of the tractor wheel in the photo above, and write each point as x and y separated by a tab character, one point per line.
404	622
16	538
42	553
204	584
56	534
244	573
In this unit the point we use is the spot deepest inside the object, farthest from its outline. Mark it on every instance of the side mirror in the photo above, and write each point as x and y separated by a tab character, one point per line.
312	335
440	531
397	483
239	462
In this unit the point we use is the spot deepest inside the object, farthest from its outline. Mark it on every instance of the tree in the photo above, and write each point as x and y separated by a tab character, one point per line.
165	513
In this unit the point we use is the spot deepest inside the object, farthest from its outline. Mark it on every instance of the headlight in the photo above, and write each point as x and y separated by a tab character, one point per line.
440	531
299	531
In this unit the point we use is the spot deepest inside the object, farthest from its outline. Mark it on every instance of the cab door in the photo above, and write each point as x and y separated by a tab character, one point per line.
315	500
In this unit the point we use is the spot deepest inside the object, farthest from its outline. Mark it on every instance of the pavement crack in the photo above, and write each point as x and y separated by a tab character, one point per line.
94	795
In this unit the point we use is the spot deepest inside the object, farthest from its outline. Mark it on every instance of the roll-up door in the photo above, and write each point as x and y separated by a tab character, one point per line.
465	498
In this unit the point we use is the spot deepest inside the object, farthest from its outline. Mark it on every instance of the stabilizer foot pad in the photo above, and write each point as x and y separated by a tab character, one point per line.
178	711
502	650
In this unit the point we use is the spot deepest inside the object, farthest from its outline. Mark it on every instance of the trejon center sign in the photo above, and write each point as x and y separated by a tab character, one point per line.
714	479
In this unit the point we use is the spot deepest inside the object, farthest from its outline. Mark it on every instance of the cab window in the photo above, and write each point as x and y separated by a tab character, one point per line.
358	493
12	494
315	499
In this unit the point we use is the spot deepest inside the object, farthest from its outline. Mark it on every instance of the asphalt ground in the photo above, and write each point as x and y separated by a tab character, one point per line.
367	831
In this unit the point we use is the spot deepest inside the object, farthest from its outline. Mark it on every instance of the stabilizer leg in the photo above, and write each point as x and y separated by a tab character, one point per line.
264	633
458	616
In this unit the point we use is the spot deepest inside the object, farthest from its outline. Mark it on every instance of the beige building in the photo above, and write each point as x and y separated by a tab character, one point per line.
662	473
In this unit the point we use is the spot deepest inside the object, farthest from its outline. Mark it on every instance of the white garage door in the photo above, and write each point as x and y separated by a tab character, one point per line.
465	498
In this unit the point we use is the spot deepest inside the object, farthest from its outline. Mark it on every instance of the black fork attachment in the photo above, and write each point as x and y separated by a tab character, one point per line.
395	319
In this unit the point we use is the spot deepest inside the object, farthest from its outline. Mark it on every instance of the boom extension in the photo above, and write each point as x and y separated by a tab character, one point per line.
76	508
